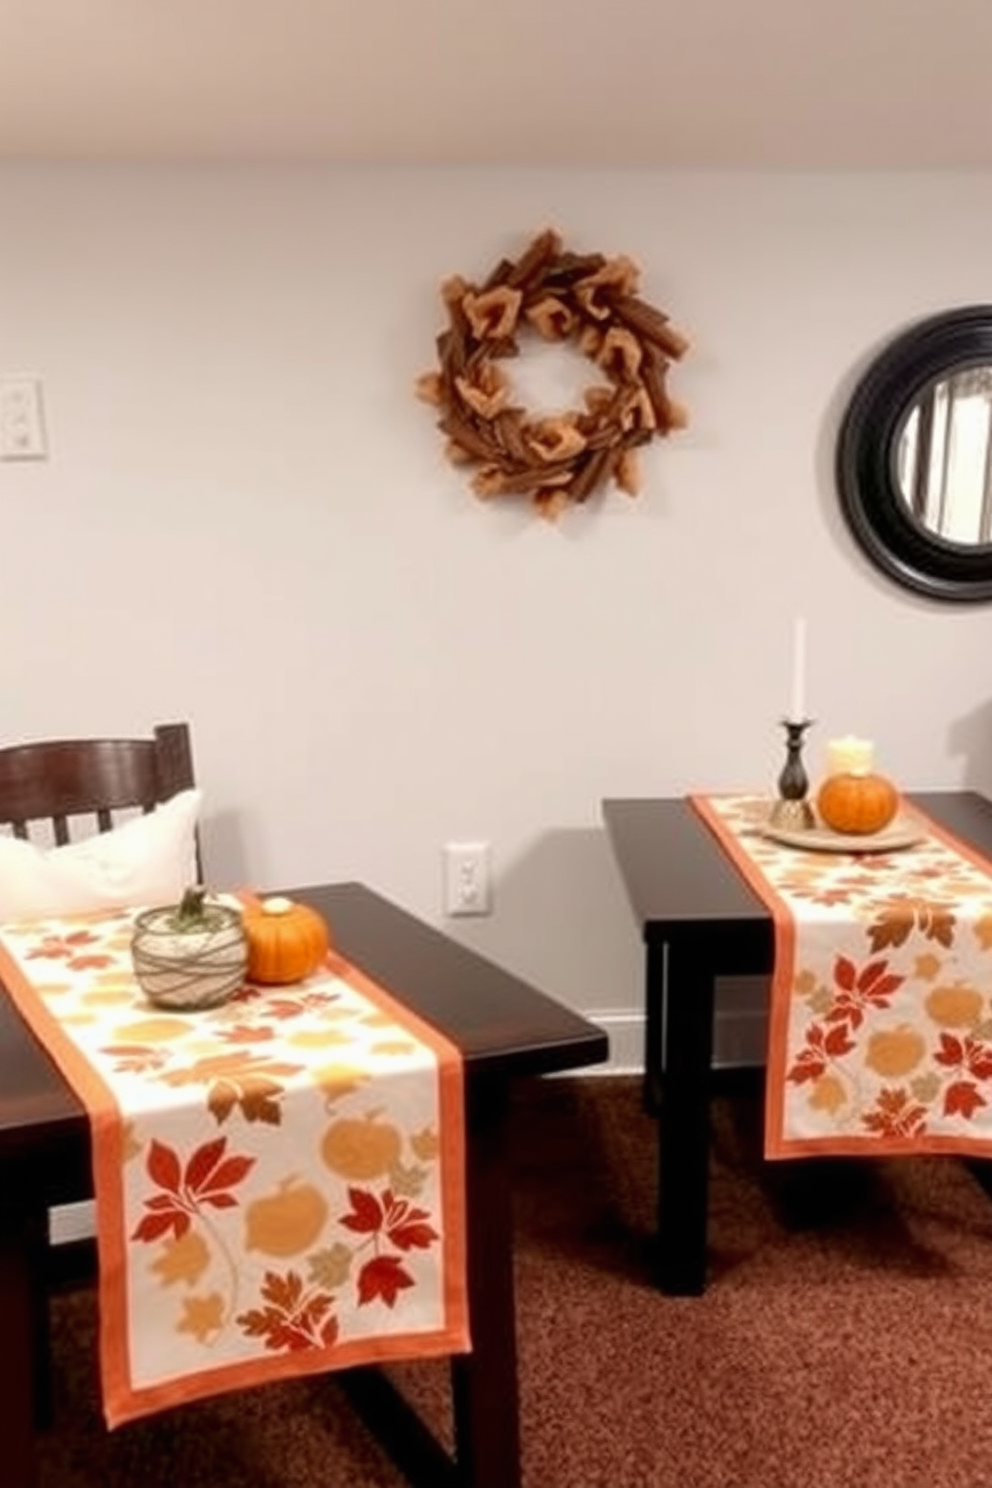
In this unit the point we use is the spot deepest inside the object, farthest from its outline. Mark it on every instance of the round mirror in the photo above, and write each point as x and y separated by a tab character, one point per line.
914	456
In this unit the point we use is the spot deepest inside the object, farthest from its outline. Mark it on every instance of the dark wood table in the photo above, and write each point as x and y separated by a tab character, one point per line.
505	1030
700	920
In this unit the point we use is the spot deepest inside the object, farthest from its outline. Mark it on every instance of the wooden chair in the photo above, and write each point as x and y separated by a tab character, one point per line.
56	781
54	785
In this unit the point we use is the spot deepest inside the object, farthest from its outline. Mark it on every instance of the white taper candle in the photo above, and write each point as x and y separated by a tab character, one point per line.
797	702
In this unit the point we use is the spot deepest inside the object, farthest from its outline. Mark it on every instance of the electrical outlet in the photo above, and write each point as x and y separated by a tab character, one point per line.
22	428
467	878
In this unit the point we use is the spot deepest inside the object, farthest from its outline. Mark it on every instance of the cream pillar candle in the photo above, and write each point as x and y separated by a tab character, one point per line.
850	756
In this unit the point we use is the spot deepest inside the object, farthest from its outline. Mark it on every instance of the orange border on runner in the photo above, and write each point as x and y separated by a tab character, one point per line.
121	1401
777	1145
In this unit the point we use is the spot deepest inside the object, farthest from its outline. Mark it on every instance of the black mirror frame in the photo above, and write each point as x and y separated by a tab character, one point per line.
867	444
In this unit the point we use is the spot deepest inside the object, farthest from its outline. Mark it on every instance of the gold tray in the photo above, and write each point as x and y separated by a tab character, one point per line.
899	834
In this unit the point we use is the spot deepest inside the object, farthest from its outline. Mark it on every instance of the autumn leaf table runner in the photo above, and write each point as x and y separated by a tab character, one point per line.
279	1181
880	1027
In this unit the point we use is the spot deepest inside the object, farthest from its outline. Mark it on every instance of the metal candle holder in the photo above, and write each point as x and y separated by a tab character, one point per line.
792	810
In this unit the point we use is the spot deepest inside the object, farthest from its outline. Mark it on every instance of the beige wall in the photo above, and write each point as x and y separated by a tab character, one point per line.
246	521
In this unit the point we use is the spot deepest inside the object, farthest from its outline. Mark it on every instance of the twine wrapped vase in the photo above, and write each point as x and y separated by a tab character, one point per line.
190	956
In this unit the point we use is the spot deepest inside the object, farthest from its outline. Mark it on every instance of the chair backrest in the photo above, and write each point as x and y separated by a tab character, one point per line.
54	781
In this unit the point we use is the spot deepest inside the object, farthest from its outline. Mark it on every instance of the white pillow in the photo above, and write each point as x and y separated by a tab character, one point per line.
149	860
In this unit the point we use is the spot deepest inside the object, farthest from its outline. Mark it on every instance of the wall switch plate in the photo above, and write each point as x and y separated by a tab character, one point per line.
22	425
467	878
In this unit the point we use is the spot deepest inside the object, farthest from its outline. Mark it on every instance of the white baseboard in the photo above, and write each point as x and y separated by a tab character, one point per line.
72	1222
625	1032
739	1036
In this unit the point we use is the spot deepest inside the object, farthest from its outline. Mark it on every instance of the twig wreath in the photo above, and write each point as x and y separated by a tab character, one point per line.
591	301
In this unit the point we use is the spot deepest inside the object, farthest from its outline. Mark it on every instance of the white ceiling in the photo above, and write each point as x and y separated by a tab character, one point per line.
844	84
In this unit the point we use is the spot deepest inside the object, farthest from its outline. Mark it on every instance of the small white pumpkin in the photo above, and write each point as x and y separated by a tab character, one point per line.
191	955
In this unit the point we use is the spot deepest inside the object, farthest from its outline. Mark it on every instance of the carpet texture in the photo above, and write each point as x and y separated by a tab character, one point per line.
845	1340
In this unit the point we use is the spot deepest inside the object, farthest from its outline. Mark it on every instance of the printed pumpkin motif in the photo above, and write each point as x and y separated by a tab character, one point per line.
894	1052
362	1149
955	1007
288	1221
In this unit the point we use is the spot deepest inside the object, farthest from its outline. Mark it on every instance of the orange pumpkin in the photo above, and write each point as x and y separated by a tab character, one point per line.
857	804
286	941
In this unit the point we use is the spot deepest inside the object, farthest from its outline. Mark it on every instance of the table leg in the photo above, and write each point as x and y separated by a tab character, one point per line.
18	1237
484	1382
36	1222
684	1130
654	1017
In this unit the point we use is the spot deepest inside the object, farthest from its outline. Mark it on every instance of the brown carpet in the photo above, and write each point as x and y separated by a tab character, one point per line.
845	1340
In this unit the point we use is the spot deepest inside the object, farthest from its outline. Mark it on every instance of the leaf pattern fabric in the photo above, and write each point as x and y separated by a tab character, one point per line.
279	1181
880	1027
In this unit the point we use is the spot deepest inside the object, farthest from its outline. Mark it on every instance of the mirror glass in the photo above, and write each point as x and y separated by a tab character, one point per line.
914	456
943	457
